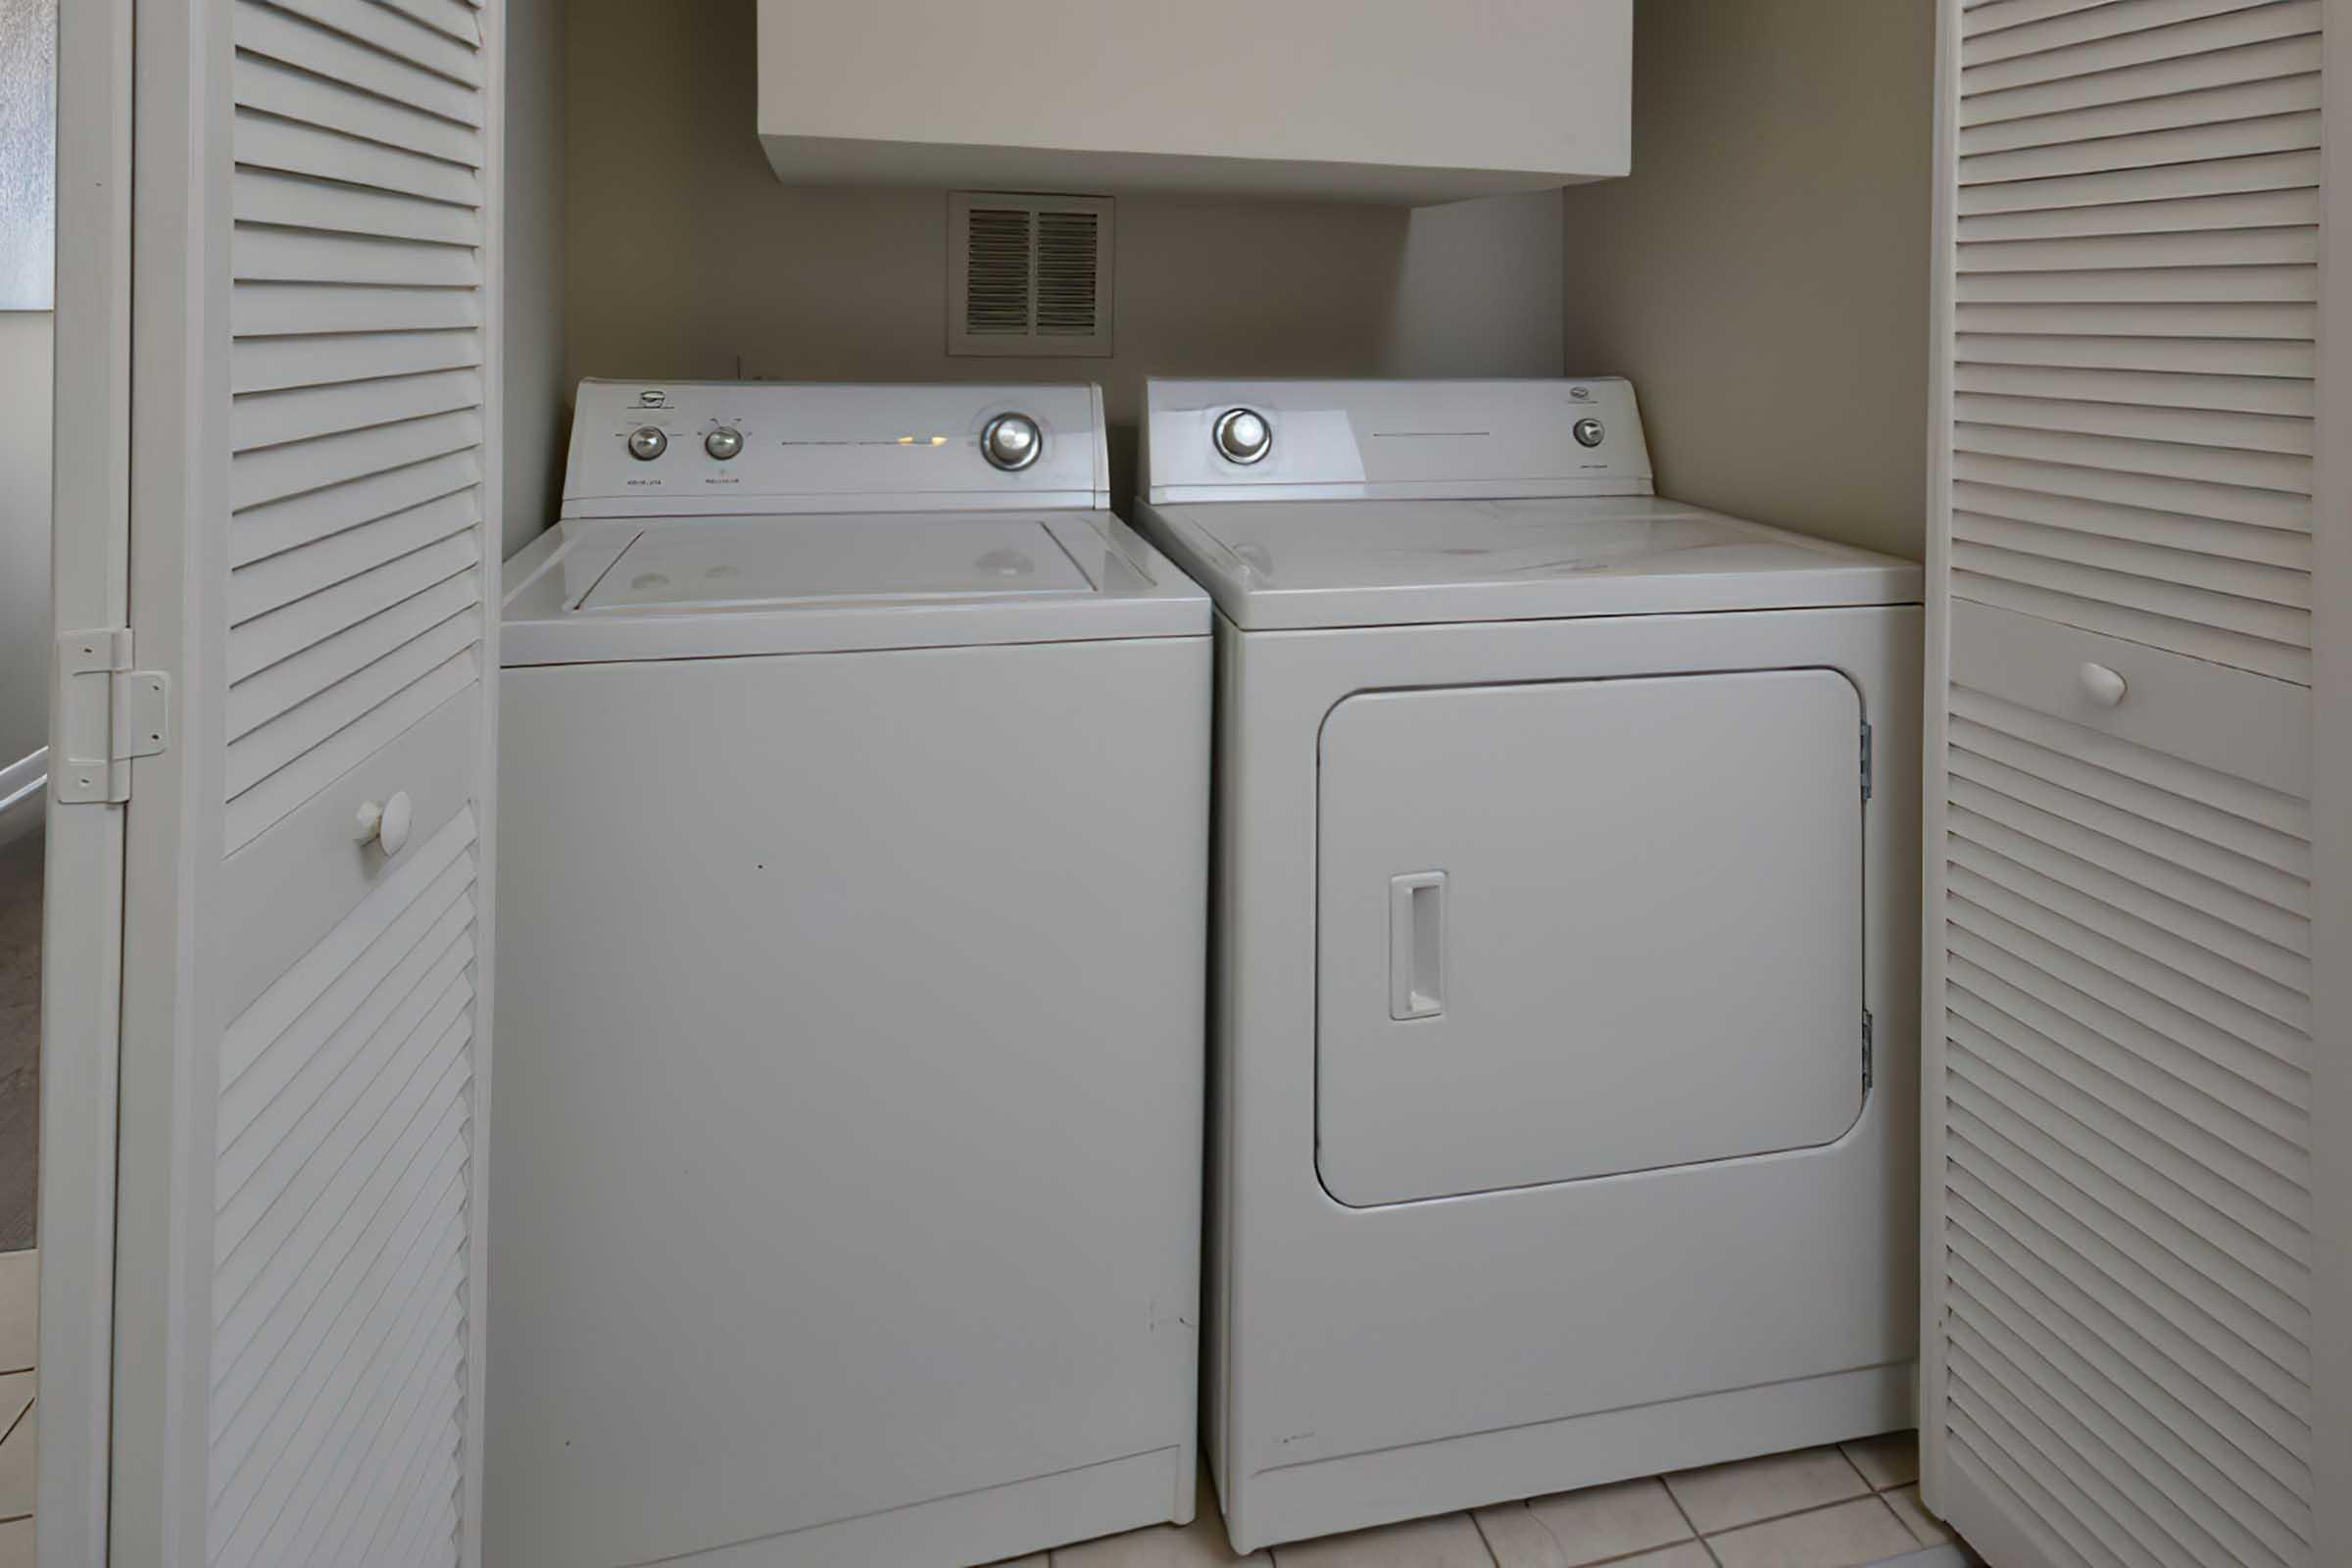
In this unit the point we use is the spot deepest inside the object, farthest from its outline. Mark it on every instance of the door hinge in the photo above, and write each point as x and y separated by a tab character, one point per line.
108	713
1866	770
1869	1067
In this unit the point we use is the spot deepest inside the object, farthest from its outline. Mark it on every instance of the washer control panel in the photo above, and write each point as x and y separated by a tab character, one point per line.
641	449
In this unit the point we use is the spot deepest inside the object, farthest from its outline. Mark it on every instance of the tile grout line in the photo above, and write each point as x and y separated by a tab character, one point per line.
1692	1524
1868	1492
1480	1530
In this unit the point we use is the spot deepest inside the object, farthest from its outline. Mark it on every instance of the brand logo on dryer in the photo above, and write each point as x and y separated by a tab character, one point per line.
651	399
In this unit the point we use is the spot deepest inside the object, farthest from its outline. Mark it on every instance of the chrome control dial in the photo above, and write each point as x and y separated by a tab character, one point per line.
723	442
647	442
1012	442
1243	435
1588	433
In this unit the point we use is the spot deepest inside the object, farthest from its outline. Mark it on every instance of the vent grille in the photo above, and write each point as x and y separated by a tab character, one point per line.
1031	274
1068	250
995	284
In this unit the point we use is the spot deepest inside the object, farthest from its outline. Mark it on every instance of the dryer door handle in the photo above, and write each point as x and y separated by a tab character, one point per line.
1417	945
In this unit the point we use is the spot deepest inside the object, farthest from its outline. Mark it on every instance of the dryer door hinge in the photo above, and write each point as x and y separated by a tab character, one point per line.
107	713
1866	759
1869	1071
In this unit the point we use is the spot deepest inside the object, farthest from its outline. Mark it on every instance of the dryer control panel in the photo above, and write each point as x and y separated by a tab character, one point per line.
697	447
1356	440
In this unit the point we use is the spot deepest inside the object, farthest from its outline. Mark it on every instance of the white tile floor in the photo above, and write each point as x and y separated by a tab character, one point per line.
1833	1508
20	1297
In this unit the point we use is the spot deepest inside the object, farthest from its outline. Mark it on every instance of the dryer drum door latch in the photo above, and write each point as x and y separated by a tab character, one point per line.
1417	945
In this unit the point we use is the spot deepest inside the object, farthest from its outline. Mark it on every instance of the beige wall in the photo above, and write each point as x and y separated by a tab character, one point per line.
686	257
1762	275
535	388
26	337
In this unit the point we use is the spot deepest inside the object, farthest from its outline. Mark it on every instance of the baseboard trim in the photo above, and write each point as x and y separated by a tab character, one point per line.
24	794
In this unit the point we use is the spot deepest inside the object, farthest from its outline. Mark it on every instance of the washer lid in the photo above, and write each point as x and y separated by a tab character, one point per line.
749	562
592	591
1273	565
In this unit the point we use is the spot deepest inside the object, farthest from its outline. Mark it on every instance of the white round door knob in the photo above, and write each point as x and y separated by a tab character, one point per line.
2105	686
386	822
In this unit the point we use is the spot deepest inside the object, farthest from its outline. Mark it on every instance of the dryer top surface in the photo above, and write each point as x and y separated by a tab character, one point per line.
1280	564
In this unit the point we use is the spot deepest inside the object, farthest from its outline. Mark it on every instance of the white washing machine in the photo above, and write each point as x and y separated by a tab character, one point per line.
846	1169
1563	1043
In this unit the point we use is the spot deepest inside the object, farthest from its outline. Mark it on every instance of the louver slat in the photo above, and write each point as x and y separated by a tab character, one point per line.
2250	214
277	365
267	310
354	610
2211	105
2246	394
2283	359
383	28
291	202
2139	32
2287	56
355	77
289	147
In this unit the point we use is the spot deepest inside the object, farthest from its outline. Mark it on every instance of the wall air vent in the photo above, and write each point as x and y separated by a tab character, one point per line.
1029	275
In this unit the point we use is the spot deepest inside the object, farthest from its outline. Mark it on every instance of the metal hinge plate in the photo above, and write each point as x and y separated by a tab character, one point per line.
1869	1067
108	713
1866	765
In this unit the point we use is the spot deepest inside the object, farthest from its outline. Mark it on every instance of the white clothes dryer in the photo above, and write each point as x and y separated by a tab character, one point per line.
1563	1032
852	913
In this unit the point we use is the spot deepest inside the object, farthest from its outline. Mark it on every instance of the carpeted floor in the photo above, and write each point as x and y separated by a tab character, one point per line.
20	1040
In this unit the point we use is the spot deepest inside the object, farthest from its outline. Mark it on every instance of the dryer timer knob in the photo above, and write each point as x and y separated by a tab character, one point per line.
647	442
1243	435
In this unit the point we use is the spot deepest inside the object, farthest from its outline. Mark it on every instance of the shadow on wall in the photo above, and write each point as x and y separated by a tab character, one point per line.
685	256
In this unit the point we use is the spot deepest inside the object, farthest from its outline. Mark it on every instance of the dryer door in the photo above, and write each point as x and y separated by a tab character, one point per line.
1581	928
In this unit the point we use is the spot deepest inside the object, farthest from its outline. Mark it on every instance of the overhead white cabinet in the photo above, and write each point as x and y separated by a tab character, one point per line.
1408	103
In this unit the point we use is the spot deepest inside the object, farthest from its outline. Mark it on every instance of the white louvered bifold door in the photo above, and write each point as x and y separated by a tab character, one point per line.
2118	1349
338	641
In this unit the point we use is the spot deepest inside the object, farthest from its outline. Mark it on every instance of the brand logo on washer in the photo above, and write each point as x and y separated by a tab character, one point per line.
1580	393
652	400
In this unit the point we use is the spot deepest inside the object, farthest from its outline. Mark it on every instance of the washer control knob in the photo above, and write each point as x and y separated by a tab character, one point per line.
647	442
723	442
1243	435
1588	432
1012	442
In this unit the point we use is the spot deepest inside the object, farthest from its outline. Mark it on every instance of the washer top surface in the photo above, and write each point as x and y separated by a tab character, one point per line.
594	591
713	519
732	563
1277	564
